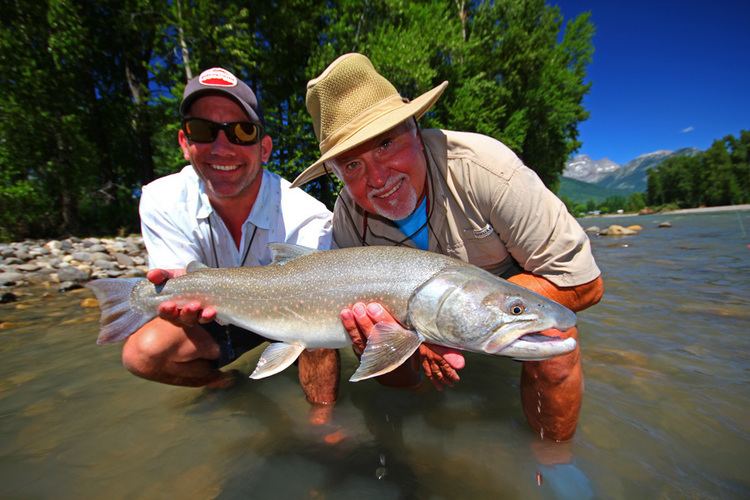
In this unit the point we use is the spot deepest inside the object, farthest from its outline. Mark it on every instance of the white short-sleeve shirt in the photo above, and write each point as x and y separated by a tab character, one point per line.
179	225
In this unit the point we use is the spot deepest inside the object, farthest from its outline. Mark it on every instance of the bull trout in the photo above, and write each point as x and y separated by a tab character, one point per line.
295	303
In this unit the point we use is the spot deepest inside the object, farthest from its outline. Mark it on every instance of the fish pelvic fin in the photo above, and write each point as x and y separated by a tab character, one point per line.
119	319
276	358
387	347
284	252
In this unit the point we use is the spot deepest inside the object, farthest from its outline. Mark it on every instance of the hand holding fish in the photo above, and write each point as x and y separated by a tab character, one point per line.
438	363
191	314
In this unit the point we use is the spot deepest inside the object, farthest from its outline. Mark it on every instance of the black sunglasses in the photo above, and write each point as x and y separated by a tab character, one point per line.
206	131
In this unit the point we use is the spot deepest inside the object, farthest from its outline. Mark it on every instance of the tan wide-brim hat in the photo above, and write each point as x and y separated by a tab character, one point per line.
350	103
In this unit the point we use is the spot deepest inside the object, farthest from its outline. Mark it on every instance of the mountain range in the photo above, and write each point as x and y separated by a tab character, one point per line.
584	178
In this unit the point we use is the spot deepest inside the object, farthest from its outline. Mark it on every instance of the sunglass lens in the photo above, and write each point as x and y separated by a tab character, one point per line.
200	131
245	132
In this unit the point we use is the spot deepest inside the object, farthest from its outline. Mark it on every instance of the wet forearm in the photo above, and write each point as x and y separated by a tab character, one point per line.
319	375
552	390
551	394
575	298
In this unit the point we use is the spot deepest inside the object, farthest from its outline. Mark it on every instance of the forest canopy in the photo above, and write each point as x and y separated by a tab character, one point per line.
89	90
718	176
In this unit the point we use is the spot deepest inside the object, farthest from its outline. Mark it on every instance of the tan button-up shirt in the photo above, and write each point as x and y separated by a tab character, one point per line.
487	208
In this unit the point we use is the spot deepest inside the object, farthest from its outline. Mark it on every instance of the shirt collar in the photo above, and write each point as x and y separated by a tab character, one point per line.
263	212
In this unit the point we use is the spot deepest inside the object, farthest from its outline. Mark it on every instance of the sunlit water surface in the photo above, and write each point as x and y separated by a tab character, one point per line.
665	414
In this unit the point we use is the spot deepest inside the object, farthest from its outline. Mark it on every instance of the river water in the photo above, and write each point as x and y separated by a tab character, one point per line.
665	414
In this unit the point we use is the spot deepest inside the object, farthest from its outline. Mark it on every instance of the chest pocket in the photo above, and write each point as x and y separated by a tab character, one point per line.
483	246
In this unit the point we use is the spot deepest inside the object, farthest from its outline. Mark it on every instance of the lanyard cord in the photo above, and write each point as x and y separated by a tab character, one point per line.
213	244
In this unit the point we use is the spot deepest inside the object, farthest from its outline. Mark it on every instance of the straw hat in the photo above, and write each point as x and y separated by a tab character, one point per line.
350	103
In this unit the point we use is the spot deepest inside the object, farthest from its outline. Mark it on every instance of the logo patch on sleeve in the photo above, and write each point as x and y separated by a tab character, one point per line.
484	232
217	77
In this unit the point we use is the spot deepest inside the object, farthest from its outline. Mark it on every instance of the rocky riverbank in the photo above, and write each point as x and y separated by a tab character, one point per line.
67	264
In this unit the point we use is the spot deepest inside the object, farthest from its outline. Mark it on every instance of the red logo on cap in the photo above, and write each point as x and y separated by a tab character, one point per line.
217	77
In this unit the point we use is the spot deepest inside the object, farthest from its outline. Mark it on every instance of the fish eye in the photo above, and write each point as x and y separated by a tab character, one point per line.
517	309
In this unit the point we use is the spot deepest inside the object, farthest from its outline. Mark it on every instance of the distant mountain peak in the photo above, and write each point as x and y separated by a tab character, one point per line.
630	177
583	168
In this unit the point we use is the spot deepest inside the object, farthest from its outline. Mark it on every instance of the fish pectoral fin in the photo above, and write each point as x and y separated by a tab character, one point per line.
195	266
281	253
275	358
387	347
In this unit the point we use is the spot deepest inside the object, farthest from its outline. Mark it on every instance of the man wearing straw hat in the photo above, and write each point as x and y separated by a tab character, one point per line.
460	194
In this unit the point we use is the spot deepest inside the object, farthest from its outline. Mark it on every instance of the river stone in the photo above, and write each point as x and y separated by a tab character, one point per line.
616	230
23	254
82	256
68	285
97	248
72	273
10	278
66	245
665	224
105	264
635	227
139	261
29	267
593	229
124	260
6	297
89	302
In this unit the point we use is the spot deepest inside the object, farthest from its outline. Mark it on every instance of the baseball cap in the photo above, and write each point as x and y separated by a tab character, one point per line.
222	81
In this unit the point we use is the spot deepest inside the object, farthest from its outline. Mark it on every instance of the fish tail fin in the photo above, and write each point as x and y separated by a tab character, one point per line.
387	347
119	319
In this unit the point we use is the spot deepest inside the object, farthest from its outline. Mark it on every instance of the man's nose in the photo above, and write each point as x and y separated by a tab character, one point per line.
222	145
377	174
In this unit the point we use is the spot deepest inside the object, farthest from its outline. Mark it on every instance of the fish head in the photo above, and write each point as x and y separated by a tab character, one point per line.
477	311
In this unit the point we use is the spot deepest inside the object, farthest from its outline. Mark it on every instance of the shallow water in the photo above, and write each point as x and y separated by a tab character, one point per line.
665	412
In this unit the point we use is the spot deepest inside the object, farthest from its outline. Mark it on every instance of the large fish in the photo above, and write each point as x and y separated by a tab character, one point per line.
295	303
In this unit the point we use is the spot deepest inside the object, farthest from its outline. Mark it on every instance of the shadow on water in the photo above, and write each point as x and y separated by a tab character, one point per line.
666	358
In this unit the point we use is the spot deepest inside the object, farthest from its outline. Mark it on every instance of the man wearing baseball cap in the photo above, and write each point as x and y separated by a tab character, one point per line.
460	194
221	210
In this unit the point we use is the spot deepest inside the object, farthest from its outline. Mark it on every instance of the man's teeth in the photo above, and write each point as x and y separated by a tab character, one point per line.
225	168
391	191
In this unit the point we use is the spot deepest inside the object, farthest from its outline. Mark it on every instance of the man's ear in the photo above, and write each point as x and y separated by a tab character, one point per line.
266	146
182	139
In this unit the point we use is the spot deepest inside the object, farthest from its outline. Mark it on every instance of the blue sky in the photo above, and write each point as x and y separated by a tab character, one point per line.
665	74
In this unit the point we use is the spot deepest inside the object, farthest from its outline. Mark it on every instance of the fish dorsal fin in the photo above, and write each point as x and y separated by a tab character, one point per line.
195	266
387	347
284	252
275	358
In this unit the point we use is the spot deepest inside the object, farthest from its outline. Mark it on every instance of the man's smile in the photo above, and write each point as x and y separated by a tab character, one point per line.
224	168
386	192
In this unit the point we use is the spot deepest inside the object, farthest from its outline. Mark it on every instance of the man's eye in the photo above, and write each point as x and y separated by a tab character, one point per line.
386	144
352	166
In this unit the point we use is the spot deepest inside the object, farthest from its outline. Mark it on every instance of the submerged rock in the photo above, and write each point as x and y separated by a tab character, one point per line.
616	230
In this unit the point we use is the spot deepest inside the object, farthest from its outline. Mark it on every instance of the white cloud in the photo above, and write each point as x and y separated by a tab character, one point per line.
687	130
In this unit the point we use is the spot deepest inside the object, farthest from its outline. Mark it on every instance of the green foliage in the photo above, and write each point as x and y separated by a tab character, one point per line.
89	90
718	176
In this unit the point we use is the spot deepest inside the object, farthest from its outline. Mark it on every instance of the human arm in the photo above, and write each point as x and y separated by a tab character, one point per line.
552	390
439	364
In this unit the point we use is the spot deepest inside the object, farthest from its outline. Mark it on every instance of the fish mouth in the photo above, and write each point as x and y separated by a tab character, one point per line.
538	347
